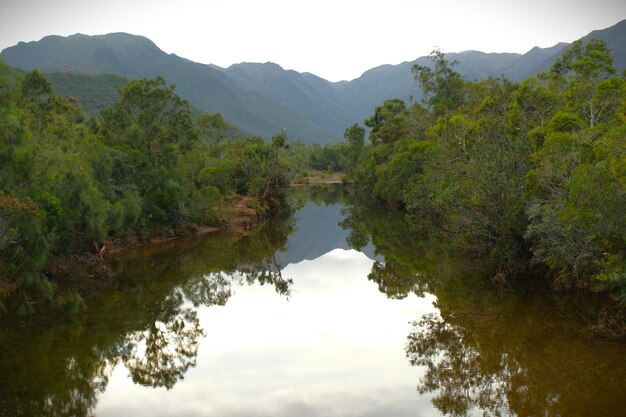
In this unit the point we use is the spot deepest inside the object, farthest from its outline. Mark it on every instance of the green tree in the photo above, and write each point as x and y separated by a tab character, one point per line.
586	71
389	122
351	152
443	87
150	127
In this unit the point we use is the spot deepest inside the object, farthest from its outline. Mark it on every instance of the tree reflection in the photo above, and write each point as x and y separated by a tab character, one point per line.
488	351
396	280
44	380
208	289
145	319
514	355
400	273
453	370
160	355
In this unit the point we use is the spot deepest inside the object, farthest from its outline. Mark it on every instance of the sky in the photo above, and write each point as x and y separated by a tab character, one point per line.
333	39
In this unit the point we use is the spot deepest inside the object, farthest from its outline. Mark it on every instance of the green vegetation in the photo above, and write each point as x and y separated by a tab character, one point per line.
264	98
523	174
94	92
145	166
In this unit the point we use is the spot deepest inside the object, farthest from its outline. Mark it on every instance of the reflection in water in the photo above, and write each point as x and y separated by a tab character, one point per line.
145	319
160	355
453	370
489	352
334	348
405	262
480	352
333	342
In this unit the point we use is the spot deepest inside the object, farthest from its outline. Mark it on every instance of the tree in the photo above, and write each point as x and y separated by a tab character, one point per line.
443	87
35	91
389	122
586	71
351	152
150	127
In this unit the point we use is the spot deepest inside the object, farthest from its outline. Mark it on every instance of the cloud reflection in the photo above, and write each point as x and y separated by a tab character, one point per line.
334	348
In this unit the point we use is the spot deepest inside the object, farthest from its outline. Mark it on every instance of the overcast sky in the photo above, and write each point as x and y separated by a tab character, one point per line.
334	39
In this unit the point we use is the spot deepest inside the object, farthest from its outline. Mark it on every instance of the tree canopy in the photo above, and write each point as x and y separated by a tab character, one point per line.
528	174
144	166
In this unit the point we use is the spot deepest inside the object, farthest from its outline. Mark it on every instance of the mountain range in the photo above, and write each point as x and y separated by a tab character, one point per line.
263	98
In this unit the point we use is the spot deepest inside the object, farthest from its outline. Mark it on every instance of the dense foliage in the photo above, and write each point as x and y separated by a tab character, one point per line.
535	171
144	166
94	92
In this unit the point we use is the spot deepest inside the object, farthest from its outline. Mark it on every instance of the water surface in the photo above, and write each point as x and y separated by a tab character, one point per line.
339	310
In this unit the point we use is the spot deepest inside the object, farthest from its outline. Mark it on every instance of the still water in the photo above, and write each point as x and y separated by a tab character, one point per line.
337	310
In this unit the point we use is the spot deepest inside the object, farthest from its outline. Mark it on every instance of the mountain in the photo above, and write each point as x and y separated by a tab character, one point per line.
390	81
204	86
263	98
311	98
615	38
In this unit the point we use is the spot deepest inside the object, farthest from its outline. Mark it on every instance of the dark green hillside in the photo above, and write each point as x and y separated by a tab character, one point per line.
94	92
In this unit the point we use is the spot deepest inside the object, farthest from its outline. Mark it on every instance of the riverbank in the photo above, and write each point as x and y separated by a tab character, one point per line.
319	178
238	216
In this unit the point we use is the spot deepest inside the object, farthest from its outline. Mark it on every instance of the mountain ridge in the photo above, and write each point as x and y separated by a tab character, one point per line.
264	98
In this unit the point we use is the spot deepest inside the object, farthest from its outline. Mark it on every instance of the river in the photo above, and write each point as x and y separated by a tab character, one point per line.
336	310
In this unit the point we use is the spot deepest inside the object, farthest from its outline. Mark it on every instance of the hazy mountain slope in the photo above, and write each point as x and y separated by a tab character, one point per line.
204	86
533	61
476	65
379	84
265	99
311	98
615	37
390	81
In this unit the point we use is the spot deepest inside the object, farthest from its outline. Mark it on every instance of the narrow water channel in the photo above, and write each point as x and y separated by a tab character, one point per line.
335	311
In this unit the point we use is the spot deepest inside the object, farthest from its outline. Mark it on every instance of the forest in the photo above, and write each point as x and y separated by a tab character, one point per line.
531	176
145	166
